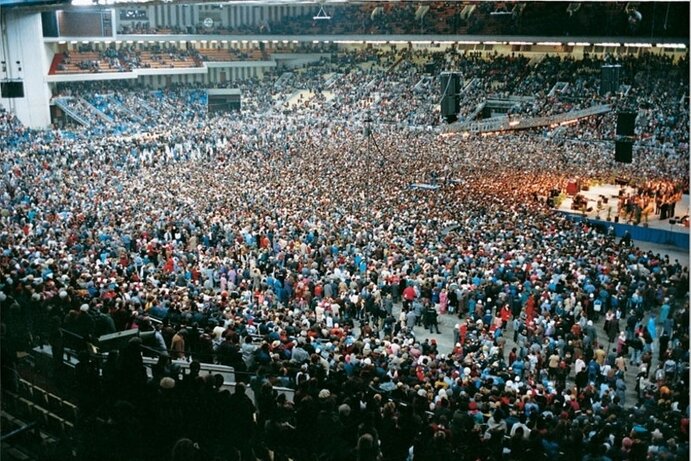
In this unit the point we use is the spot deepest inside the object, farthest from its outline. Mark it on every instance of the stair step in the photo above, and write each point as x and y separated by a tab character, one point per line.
17	454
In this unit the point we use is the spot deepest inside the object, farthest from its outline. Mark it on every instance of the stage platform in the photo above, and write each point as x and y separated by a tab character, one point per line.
655	230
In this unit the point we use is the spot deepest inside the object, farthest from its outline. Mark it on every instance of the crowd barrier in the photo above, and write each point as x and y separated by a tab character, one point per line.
640	232
45	353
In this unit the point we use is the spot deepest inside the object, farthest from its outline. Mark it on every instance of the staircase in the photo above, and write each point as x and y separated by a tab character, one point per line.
96	111
421	12
63	104
473	115
283	79
470	84
142	103
420	85
331	81
124	109
558	87
467	11
164	104
395	64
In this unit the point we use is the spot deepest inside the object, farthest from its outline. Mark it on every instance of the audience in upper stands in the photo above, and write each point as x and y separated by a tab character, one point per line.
447	18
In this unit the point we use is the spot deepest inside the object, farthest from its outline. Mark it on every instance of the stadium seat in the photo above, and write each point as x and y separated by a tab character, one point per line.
40	415
54	403
40	396
26	389
56	425
9	400
69	411
24	408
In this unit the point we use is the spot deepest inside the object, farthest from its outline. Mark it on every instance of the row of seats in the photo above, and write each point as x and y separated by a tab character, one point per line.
163	60
146	59
27	410
152	60
76	57
52	403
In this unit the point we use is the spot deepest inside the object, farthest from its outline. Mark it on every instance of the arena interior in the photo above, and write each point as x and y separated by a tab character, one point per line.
344	230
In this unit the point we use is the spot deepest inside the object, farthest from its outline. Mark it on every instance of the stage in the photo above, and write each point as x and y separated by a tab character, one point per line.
654	230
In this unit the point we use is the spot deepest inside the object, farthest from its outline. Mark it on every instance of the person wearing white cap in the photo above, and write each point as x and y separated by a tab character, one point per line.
167	383
664	311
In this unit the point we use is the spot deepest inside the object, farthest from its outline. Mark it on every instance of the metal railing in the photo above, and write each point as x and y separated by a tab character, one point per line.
64	106
19	431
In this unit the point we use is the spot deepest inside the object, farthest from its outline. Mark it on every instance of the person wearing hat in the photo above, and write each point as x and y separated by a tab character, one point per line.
664	311
622	347
82	323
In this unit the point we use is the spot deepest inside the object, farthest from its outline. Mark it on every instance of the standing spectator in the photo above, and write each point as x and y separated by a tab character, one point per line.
178	350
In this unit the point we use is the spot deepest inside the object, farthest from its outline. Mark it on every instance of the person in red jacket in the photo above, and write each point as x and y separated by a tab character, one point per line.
530	309
408	296
463	332
505	315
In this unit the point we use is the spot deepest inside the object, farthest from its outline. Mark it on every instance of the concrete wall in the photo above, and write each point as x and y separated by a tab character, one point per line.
28	59
214	75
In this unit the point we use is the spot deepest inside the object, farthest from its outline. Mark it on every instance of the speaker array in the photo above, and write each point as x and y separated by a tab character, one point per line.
450	87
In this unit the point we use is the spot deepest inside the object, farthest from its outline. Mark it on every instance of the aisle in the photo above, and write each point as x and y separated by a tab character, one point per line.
445	344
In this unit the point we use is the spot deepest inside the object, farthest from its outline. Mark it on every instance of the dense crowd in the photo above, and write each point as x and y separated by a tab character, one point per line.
446	18
373	84
286	242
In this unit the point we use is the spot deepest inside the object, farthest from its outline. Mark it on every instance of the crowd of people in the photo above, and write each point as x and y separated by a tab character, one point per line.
654	198
285	241
367	88
443	18
128	57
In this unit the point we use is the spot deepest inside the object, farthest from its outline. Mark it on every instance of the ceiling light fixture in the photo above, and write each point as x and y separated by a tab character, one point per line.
321	14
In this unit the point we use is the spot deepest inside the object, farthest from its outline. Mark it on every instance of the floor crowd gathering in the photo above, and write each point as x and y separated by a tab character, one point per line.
286	242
